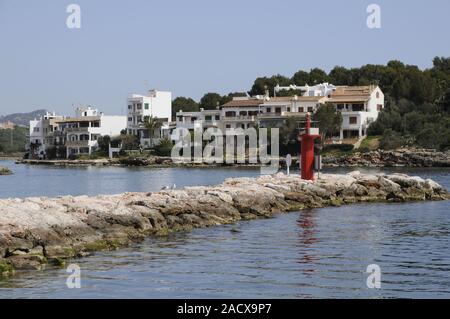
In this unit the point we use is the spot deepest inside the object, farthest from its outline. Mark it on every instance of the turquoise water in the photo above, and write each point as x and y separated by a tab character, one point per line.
313	253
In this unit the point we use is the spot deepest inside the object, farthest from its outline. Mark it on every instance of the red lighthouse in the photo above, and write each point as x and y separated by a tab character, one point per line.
307	149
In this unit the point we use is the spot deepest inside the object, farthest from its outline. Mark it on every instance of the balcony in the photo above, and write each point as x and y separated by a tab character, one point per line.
77	129
77	143
240	118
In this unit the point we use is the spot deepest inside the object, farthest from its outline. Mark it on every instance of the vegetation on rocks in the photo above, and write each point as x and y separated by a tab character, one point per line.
5	171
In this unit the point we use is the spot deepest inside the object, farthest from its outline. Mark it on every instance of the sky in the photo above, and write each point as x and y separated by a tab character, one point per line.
191	47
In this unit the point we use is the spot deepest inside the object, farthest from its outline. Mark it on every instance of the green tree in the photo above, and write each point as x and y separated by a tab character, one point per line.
184	104
329	120
317	76
211	101
103	144
300	78
152	123
340	76
262	84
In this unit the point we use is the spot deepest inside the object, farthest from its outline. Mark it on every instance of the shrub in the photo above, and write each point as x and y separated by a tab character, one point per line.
164	148
391	140
338	148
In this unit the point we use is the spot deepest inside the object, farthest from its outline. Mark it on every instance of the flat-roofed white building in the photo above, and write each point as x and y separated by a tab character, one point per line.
43	133
140	107
83	131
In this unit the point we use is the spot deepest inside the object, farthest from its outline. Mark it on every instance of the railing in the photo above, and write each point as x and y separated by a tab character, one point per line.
76	129
77	143
240	118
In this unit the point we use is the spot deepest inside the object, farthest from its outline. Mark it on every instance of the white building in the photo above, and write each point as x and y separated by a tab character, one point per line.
359	106
140	107
83	130
43	132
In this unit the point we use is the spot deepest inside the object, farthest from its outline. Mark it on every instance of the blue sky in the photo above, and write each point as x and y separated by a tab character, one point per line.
191	47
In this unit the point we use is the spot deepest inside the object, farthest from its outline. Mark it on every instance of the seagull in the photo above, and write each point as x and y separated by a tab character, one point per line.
165	187
174	186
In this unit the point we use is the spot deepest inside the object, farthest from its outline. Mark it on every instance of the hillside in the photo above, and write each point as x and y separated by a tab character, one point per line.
22	119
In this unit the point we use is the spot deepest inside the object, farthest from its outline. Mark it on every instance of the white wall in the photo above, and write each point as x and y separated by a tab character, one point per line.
110	125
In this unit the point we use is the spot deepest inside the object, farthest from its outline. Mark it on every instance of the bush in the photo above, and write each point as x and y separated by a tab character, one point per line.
391	140
164	148
430	137
338	148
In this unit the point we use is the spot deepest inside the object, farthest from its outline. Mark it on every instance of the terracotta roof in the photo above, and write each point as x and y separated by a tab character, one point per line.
243	103
353	90
292	98
349	98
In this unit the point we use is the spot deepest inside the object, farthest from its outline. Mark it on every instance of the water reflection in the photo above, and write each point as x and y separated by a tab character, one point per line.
307	234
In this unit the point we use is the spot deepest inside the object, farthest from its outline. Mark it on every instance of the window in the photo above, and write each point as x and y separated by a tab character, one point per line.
310	109
353	120
228	126
208	118
379	107
146	106
243	126
378	95
230	114
301	109
130	107
288	109
340	106
278	110
139	106
36	129
217	117
268	110
358	107
130	119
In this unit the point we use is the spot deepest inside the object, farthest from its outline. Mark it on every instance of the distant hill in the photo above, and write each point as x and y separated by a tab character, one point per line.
22	119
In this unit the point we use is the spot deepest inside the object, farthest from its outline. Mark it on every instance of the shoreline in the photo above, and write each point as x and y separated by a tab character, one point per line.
392	158
39	231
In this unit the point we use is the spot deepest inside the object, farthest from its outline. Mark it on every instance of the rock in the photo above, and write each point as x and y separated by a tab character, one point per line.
391	158
36	231
5	171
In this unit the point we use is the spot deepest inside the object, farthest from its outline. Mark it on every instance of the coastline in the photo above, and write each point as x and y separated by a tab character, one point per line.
379	158
39	231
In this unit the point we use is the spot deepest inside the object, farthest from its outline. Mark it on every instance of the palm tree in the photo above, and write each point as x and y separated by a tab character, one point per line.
151	123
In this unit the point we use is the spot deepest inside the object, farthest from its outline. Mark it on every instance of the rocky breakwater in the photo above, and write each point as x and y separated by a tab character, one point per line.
382	158
35	232
5	171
